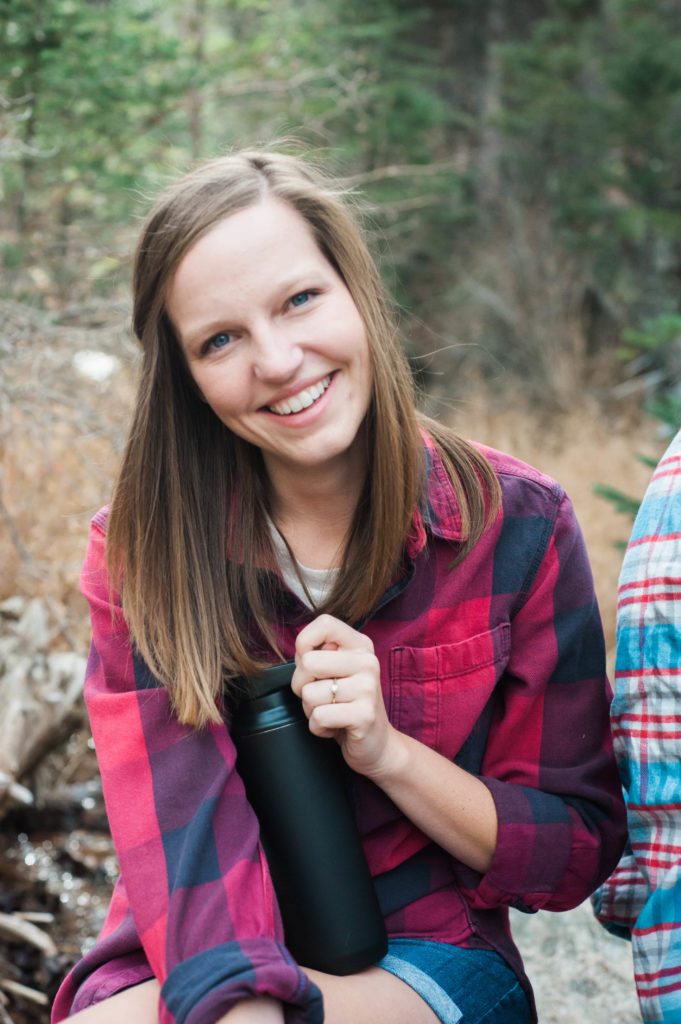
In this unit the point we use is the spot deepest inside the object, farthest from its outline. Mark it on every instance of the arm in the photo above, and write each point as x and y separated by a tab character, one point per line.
642	897
549	763
255	1011
543	824
448	804
187	840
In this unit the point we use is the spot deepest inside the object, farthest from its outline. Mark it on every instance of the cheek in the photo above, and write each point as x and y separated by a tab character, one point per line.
365	364
226	393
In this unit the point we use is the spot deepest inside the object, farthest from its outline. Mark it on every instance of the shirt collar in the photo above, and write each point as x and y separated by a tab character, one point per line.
439	513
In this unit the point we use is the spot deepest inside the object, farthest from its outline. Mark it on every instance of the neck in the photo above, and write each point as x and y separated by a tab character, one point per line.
314	509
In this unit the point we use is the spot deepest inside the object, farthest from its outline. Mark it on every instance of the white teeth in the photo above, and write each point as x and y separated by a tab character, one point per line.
303	400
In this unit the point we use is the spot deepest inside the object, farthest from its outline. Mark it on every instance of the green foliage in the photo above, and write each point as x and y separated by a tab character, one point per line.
13	255
622	503
657	334
592	123
123	94
654	350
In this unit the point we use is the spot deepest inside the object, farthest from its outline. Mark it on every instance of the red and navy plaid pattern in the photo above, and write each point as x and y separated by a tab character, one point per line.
497	663
642	899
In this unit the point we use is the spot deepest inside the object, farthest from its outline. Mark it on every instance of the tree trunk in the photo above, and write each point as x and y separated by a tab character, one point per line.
195	27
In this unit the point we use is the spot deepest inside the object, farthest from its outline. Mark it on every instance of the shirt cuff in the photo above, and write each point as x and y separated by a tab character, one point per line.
619	901
531	864
203	988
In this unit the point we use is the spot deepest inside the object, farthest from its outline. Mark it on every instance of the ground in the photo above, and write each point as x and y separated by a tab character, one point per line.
578	971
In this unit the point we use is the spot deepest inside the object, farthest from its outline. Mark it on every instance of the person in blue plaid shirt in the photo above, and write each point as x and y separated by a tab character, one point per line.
642	898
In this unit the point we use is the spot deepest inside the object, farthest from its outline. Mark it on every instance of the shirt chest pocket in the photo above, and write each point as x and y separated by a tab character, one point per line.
437	694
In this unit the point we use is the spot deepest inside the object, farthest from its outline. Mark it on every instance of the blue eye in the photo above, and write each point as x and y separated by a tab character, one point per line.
219	341
300	299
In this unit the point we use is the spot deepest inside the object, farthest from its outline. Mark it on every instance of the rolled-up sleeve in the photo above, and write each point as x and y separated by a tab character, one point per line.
197	898
549	763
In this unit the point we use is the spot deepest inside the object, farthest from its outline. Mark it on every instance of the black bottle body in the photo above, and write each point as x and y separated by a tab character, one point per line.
297	786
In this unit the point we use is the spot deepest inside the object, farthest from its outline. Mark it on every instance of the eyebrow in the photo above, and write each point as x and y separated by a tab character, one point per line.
203	333
287	285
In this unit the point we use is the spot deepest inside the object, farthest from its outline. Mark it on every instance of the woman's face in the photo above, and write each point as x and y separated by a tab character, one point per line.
273	338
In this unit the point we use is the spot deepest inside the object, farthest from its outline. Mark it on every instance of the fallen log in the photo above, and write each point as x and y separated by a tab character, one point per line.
18	929
40	694
23	991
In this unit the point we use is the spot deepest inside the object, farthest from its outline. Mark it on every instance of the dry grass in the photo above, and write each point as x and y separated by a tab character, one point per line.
60	439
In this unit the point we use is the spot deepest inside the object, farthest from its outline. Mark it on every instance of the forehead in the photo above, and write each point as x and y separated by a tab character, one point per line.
264	233
242	262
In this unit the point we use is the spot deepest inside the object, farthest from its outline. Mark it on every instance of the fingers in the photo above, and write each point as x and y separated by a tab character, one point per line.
333	664
326	629
342	702
357	716
338	680
327	691
336	677
361	679
330	649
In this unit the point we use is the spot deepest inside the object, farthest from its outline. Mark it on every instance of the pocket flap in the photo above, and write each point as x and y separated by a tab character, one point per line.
446	660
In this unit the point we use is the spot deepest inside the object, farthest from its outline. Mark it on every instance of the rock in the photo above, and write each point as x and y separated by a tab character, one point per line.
32	626
13	607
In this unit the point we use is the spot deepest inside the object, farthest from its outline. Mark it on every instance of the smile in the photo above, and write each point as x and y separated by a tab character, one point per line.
303	400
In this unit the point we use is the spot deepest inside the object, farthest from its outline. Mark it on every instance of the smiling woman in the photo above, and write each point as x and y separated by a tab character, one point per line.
281	499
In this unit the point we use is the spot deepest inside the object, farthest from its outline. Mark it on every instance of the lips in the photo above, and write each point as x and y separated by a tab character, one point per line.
303	399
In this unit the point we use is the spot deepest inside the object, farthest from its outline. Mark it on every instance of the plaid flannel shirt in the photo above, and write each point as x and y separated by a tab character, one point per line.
497	664
642	899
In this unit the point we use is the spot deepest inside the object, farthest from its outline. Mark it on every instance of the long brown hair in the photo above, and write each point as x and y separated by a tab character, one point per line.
189	490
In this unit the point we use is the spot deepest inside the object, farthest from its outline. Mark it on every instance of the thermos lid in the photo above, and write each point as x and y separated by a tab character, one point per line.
271	679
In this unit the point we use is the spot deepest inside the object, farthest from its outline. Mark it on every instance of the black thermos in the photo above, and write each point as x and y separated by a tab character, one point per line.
297	785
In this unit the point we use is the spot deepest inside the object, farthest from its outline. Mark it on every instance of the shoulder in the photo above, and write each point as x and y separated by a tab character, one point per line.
95	555
659	515
526	493
509	467
665	485
512	473
536	525
654	549
535	520
525	490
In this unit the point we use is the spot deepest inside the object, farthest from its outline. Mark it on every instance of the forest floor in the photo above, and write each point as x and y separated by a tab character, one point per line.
62	437
578	971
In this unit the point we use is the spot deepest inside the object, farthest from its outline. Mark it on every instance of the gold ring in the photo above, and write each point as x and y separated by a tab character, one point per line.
334	690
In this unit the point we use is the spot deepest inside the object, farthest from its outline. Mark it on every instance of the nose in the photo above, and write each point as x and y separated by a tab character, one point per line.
277	356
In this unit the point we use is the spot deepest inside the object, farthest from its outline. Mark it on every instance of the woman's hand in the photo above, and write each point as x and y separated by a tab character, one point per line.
338	679
454	808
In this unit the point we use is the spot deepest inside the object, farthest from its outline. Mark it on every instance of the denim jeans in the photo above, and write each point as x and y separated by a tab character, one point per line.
461	986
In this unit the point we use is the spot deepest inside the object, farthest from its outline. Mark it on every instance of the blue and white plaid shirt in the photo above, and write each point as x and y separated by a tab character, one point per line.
642	898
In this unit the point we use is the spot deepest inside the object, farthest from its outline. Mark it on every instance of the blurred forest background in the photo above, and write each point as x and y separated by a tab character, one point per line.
521	170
